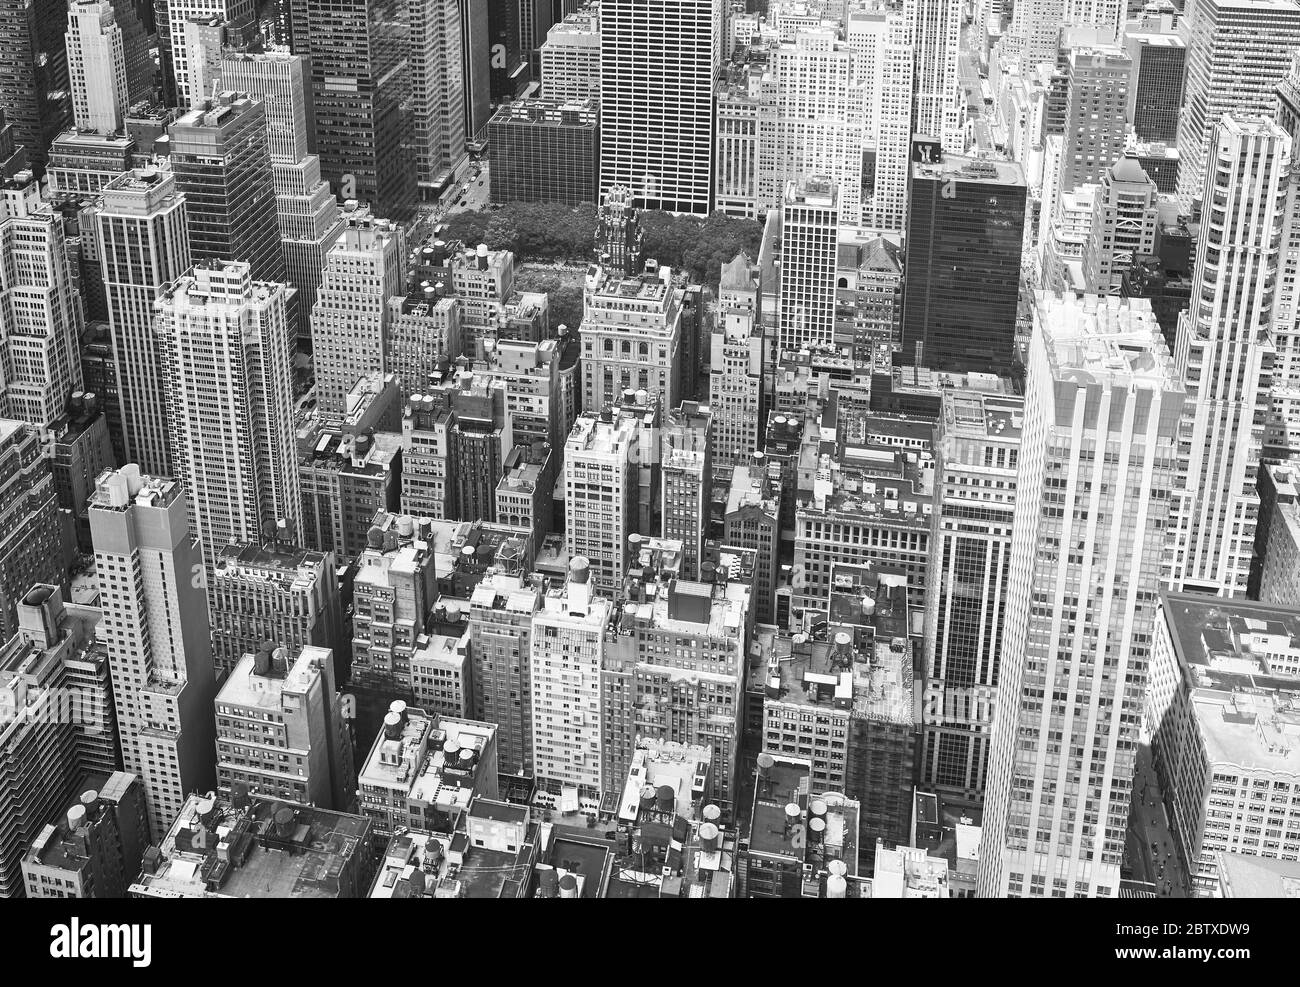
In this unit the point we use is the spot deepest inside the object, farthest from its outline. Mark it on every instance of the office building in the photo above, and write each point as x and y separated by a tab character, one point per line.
936	35
567	652
144	245
570	56
965	230
96	849
600	495
658	148
306	210
41	311
1225	355
810	218
1220	709
632	337
363	270
180	62
1097	80
1125	225
752	521
736	367
423	338
280	729
500	628
1155	94
686	481
34	74
224	344
618	232
1237	53
96	67
251	847
31	547
156	633
270	590
435	47
977	450
221	162
1102	413
545	150
484	280
362	97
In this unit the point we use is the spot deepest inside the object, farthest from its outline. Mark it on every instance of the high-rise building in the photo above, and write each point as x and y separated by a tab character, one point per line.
96	66
95	850
545	150
156	633
423	337
687	482
618	232
1225	354
936	35
1034	33
752	521
438	102
1225	676
269	590
1125	224
394	587
41	312
224	342
810	218
736	366
965	231
484	280
306	209
280	731
362	98
632	337
570	56
500	630
175	56
31	549
222	164
144	245
1237	53
46	715
977	447
661	149
567	651
1095	479
600	494
363	269
1155	92
1095	123
34	73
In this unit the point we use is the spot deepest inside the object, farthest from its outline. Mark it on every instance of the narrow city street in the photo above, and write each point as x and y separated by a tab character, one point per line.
1150	844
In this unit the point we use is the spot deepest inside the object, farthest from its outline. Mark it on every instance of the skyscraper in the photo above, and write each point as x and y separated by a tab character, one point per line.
224	341
144	245
965	231
40	311
222	164
363	269
307	211
361	94
1093	487
1155	95
687	482
156	632
1237	53
1125	221
810	219
437	91
600	495
736	366
1095	125
977	449
34	73
96	66
174	55
1225	353
659	147
500	629
30	549
936	34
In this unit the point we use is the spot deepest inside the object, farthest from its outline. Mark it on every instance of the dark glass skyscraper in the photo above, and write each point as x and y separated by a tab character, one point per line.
965	231
361	91
34	73
545	150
